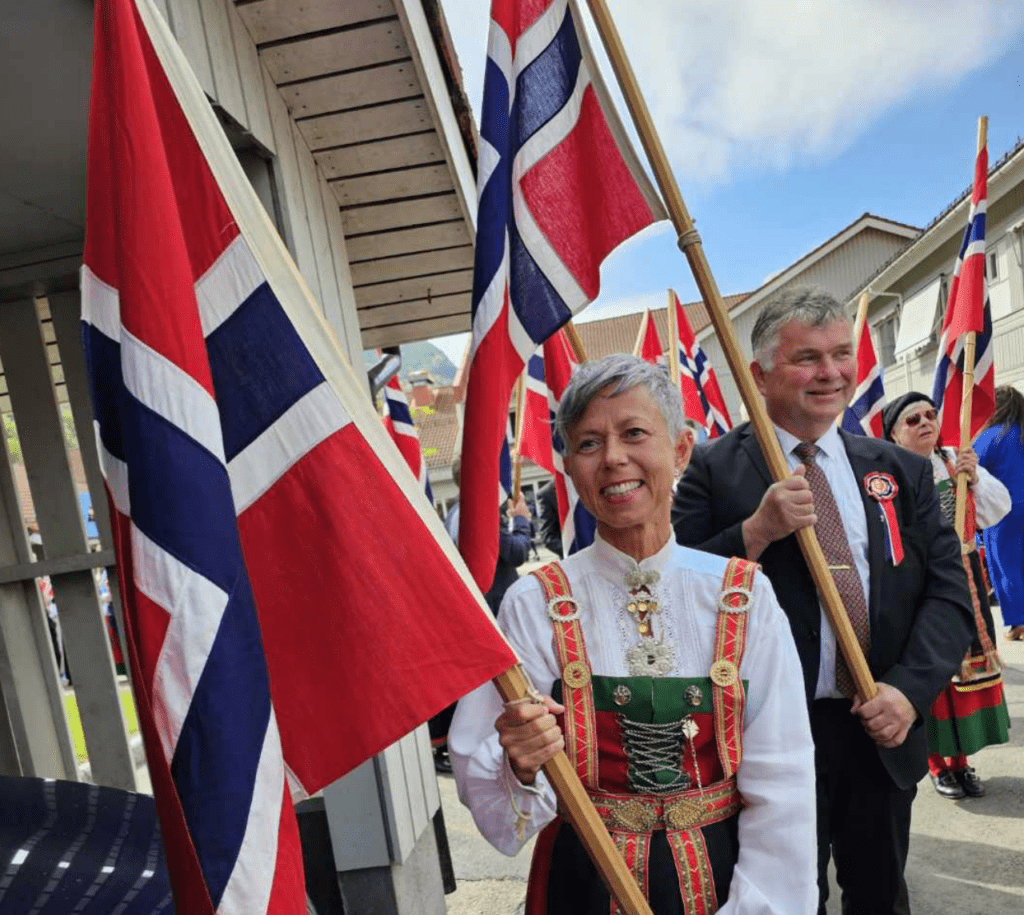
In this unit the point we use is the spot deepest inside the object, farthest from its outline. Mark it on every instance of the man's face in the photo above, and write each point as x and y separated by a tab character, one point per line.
813	377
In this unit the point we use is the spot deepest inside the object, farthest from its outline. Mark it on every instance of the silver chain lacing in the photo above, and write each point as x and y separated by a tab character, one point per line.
654	748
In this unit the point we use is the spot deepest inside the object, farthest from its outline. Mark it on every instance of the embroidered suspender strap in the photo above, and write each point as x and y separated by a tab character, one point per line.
730	639
580	723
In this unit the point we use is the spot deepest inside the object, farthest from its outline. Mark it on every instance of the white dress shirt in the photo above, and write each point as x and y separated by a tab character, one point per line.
776	868
835	464
992	500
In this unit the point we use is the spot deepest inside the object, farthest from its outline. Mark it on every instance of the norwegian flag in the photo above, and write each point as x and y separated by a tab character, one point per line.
559	189
702	398
864	415
398	422
648	343
548	375
967	309
250	483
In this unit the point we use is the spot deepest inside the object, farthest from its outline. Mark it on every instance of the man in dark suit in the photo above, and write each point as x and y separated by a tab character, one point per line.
914	609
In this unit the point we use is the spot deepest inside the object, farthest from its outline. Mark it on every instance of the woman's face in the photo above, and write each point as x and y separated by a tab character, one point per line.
622	461
917	429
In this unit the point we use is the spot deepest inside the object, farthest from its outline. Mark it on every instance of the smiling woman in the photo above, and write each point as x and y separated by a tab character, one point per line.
652	654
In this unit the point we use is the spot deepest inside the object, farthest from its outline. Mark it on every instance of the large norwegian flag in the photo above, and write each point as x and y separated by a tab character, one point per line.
702	398
864	415
252	487
967	309
559	189
648	343
401	428
548	375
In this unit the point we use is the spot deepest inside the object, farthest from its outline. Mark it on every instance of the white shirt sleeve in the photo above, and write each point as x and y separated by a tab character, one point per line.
484	778
776	873
992	500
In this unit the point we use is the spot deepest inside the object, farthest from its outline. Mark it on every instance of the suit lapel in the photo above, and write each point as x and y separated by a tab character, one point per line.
864	457
753	450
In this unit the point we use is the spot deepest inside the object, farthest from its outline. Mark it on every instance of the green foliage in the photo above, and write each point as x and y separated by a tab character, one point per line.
11	434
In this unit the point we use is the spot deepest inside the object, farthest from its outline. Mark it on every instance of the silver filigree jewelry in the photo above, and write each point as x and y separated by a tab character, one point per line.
651	658
641	578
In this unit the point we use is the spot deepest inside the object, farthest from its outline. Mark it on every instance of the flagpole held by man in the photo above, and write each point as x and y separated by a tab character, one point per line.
690	244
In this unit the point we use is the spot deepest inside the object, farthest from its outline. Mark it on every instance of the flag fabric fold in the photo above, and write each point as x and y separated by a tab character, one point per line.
272	545
398	421
864	415
648	343
702	398
548	375
559	189
967	309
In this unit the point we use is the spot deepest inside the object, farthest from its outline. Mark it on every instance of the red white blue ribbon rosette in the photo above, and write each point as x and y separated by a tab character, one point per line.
882	488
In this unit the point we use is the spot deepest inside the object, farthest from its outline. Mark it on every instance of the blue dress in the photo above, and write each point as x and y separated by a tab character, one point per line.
1003	457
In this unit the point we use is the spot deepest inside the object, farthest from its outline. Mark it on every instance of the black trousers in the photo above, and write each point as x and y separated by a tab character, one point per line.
863	818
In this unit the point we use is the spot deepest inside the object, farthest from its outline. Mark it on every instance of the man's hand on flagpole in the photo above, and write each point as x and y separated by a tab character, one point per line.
887	717
786	507
530	735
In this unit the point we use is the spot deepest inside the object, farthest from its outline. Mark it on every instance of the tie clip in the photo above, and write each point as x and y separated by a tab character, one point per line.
839	568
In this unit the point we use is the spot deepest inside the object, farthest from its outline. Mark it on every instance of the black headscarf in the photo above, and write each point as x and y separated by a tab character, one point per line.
894	408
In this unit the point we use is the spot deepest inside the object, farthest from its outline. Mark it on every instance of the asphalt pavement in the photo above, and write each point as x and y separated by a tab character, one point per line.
966	857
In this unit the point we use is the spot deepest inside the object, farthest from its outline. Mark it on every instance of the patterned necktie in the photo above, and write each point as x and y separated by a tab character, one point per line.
835	546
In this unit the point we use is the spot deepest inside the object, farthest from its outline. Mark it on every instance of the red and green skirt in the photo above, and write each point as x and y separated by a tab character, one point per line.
968	717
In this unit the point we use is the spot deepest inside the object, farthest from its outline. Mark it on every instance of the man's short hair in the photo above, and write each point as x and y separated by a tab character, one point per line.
805	304
625	372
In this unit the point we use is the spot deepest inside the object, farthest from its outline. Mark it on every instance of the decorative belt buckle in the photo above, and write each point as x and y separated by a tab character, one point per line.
686	813
634	816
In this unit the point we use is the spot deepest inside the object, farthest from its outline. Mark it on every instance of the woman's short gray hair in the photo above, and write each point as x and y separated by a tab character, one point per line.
806	304
625	372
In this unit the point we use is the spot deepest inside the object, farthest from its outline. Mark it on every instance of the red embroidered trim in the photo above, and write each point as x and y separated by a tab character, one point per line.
580	722
730	642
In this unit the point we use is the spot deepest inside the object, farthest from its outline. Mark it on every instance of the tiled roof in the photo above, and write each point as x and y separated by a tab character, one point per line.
618	335
439	432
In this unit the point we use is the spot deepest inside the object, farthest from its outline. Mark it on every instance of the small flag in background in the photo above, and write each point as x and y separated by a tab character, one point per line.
967	309
559	190
288	610
648	343
702	398
864	415
548	375
401	428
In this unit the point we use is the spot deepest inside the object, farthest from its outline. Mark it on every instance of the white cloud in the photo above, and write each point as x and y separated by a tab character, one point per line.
758	85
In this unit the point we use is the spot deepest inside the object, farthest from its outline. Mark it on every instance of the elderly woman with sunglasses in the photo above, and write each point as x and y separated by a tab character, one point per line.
971	712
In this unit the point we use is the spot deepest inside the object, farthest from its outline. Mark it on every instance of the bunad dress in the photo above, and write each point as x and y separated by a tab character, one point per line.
971	713
685	720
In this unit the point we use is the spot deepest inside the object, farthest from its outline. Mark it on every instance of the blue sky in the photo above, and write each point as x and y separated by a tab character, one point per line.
805	117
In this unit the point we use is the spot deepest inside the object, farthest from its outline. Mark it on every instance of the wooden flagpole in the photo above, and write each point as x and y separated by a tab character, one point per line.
673	339
639	345
960	518
573	336
689	243
517	458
